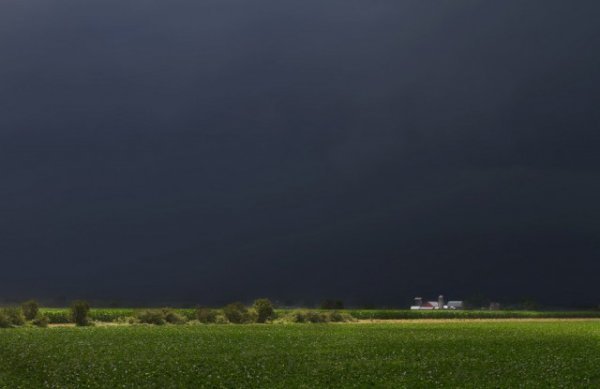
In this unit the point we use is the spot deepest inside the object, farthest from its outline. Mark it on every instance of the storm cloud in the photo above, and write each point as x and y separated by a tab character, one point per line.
216	150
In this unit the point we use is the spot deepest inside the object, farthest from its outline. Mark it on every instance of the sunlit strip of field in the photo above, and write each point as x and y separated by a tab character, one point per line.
61	315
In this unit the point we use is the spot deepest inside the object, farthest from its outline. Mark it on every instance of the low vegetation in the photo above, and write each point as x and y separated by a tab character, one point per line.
13	316
40	321
27	314
206	315
237	313
151	316
307	316
527	354
159	317
261	311
264	310
31	309
212	315
80	313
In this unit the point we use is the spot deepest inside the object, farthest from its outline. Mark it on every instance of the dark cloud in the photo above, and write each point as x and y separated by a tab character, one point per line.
221	150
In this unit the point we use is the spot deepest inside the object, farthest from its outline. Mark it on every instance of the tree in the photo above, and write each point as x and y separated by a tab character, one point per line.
236	313
264	310
79	312
30	309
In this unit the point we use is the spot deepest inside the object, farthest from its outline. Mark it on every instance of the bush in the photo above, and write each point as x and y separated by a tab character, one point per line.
264	310
303	316
4	322
158	317
153	316
339	317
206	315
14	316
80	311
30	309
315	317
251	317
40	321
173	317
236	313
335	317
299	317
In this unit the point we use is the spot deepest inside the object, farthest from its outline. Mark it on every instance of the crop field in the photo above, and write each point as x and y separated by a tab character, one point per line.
469	354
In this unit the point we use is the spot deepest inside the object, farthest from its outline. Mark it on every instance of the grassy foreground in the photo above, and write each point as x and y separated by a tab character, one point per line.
425	355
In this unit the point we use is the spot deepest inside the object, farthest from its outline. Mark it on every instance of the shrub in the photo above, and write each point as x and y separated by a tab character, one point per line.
335	316
127	320
299	317
4	322
290	317
264	310
40	321
206	315
30	309
338	317
316	317
14	316
80	311
152	316
251	317
303	316
158	317
173	317
236	313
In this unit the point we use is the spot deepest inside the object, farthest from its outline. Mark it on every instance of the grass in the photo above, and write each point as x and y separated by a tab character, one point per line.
416	355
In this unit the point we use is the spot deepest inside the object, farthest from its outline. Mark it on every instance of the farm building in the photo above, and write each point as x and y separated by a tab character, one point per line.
421	304
455	305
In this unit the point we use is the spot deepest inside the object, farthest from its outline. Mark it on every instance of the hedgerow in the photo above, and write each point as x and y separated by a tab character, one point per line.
61	315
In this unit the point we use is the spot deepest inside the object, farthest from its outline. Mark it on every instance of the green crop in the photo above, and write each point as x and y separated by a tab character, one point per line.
526	354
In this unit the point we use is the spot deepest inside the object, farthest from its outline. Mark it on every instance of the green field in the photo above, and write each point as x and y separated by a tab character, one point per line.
539	354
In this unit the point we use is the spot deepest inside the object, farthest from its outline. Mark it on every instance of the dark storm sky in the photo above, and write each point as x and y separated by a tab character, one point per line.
217	150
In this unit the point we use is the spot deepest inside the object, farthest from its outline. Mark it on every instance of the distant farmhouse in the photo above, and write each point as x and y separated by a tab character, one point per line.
439	304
